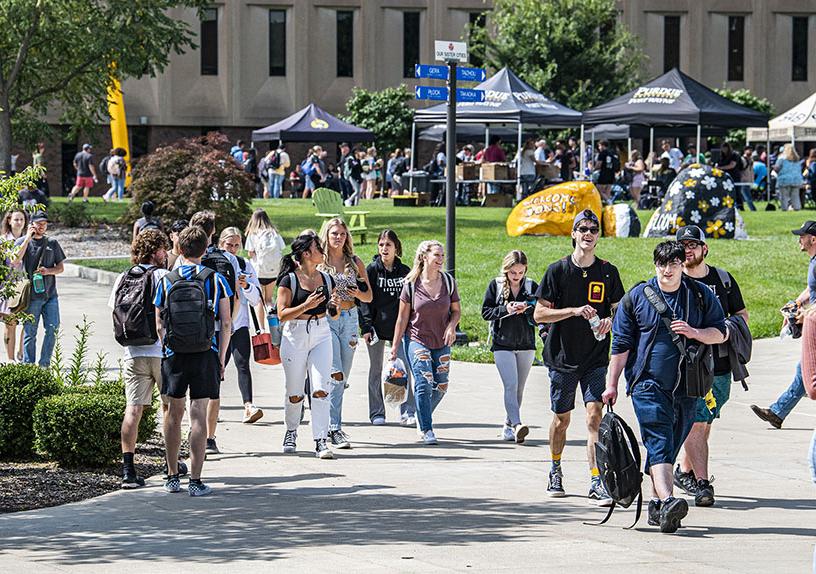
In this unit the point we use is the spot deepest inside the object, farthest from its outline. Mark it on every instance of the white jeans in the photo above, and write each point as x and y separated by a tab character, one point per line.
306	349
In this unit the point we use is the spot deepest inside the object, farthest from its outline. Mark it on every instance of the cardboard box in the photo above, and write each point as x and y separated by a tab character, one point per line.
547	170
511	172
494	171
467	171
497	200
423	199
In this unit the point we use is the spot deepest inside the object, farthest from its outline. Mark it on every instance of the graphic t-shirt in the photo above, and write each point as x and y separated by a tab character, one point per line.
731	303
605	160
571	345
52	255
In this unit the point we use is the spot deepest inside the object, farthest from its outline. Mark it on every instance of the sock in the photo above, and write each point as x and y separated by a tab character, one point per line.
594	472
556	459
127	460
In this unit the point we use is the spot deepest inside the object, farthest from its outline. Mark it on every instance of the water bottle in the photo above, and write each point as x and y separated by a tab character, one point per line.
274	327
594	324
38	283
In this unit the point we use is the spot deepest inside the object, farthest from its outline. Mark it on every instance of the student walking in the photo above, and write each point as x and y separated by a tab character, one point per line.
265	246
191	299
175	252
147	220
789	179
386	275
304	302
428	314
116	168
14	227
508	305
240	345
86	173
348	273
578	295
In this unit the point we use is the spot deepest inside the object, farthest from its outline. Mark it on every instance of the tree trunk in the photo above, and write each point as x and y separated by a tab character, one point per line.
5	134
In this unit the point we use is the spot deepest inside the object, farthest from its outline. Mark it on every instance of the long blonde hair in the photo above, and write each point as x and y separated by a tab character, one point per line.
258	222
348	246
423	249
789	153
515	257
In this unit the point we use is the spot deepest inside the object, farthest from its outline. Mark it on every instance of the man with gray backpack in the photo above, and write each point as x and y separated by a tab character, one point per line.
191	299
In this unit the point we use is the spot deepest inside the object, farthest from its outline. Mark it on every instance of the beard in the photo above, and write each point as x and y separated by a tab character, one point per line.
695	261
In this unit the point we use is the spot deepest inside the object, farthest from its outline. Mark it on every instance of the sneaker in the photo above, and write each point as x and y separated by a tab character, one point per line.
598	495
672	511
131	480
212	448
705	493
408	421
685	481
654	513
322	449
768	416
181	469
428	437
378	421
290	441
252	415
198	488
520	432
339	439
555	487
172	484
507	434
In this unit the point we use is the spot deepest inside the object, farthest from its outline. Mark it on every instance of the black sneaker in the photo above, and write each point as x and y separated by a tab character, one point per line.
290	441
705	493
672	511
339	439
131	480
182	469
322	449
212	448
555	487
685	480
768	416
654	513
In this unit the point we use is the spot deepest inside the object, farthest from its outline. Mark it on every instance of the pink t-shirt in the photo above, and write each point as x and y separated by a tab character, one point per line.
494	153
429	317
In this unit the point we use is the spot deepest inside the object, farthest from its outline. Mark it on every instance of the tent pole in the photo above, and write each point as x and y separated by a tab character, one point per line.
698	145
628	146
591	151
651	139
487	135
582	151
518	165
413	155
768	163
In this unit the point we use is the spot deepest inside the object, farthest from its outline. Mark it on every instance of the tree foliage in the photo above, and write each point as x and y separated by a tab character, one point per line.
574	51
384	112
58	55
192	175
744	97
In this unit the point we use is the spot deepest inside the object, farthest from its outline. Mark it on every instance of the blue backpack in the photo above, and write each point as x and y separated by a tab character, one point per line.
308	166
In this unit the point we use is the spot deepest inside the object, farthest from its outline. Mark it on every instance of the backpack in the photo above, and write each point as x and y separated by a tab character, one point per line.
308	166
134	315
450	283
250	165
188	316
103	165
114	168
217	261
274	162
617	456
267	253
724	279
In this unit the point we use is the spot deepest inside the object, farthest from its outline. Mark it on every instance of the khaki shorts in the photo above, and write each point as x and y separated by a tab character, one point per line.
141	374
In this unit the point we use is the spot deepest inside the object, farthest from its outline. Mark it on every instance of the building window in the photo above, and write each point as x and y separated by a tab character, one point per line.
410	43
277	42
671	42
475	20
209	42
799	61
345	44
736	48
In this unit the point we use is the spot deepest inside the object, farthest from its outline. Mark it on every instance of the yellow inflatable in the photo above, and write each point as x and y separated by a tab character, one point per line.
551	211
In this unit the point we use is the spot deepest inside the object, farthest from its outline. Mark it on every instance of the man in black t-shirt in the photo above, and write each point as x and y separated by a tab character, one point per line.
691	474
577	297
731	163
86	173
607	163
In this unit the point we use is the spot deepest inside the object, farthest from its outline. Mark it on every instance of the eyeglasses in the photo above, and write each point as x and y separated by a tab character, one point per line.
670	264
592	230
690	244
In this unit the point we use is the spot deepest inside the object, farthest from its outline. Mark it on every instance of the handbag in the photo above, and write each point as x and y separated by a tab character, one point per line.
22	287
263	350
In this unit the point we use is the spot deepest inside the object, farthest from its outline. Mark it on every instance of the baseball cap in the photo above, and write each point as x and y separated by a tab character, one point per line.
86	146
808	228
39	216
691	233
585	214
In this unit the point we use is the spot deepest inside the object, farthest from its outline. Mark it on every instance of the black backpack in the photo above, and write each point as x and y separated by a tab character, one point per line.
617	456
134	315
274	160
217	261
103	165
189	319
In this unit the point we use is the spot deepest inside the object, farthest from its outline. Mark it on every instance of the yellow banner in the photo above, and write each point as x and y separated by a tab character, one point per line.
118	122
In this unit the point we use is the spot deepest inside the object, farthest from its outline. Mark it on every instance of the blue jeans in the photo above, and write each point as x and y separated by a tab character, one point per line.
48	309
118	186
344	343
745	190
791	397
276	185
430	368
527	182
812	457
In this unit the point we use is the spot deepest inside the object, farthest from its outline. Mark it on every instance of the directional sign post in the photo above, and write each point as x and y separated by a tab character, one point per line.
466	95
441	73
431	93
450	157
471	74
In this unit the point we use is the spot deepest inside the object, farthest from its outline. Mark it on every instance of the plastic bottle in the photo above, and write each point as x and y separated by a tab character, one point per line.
594	324
274	326
37	283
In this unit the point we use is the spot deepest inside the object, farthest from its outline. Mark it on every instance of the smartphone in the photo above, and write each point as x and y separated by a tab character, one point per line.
323	290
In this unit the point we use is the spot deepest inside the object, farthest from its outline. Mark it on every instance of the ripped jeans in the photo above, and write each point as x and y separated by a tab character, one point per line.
344	342
430	368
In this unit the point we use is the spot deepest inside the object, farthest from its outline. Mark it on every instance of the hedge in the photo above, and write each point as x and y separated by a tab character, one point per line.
21	387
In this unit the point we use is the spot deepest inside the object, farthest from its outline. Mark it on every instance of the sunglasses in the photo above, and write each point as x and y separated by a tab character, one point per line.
584	229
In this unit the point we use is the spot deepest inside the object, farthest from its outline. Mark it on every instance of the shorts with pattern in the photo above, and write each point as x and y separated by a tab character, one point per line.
564	385
722	392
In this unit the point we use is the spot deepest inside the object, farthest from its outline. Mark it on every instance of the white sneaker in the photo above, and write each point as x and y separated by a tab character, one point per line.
429	437
408	421
252	415
508	434
378	421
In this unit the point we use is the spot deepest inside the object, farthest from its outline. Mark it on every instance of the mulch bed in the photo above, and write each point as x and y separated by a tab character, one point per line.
36	484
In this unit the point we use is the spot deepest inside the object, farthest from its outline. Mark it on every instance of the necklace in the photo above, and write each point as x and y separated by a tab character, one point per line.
583	269
672	307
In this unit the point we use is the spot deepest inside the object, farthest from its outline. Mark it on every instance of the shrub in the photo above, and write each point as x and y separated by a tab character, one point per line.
21	386
72	214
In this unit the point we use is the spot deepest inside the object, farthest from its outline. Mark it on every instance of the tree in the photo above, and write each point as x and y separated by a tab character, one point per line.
192	175
60	55
745	98
386	113
574	51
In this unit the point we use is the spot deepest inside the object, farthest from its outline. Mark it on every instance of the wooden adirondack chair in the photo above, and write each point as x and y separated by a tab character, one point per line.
329	204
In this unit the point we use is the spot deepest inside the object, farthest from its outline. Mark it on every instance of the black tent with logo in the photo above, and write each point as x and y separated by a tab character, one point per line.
312	124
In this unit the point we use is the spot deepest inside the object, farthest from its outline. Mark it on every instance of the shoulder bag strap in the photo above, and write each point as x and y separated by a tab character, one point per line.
662	311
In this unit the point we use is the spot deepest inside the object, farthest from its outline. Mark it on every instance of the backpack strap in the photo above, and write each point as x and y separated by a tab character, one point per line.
241	263
724	279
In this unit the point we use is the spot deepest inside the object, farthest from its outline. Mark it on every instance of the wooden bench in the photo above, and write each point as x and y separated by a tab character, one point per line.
329	205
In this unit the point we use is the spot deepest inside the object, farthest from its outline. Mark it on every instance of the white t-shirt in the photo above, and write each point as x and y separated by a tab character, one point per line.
154	350
675	158
527	164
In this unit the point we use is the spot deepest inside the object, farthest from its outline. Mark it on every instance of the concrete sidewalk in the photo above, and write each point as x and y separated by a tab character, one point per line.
471	503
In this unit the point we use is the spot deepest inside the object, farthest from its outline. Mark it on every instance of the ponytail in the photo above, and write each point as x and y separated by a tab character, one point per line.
287	266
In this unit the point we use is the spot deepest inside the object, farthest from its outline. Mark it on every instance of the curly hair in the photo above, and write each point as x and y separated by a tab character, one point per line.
146	244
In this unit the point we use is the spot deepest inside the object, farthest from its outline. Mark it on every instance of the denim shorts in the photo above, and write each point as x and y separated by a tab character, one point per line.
564	385
722	391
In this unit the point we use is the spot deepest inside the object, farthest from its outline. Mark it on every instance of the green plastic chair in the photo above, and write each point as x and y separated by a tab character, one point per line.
329	204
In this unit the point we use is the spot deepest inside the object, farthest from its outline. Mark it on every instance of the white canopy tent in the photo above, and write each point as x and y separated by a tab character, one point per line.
797	124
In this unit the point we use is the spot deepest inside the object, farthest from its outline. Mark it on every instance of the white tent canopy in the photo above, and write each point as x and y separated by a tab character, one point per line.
797	124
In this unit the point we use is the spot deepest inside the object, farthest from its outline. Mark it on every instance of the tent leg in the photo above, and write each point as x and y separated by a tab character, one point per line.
591	151
651	140
582	153
628	146
413	156
768	164
698	144
518	165
487	135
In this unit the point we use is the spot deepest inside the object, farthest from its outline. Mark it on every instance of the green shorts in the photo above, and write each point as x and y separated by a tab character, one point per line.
722	391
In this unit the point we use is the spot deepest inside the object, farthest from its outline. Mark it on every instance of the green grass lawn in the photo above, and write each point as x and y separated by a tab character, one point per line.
768	267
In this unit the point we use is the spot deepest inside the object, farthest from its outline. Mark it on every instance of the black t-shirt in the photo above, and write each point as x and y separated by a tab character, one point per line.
606	163
571	346
299	294
735	171
731	303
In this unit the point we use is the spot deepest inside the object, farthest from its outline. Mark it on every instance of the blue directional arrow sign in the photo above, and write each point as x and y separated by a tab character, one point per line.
470	74
466	95
431	93
433	72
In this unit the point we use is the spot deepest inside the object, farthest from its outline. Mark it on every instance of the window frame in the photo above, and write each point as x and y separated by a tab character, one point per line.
736	49
208	49
277	70
344	65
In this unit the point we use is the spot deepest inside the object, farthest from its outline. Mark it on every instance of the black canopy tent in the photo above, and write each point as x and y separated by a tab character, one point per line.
312	124
673	99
